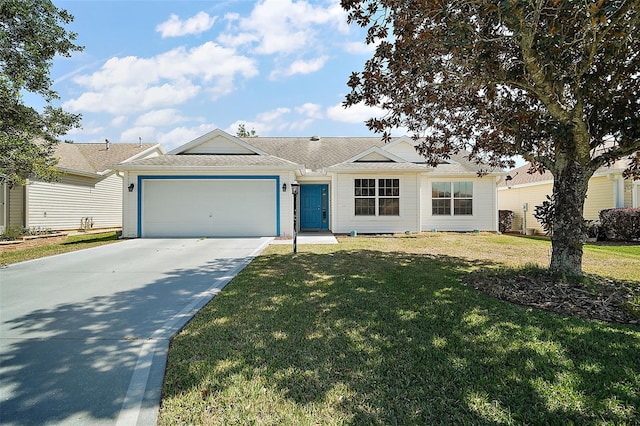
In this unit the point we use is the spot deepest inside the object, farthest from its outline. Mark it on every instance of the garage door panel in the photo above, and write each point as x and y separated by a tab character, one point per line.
206	208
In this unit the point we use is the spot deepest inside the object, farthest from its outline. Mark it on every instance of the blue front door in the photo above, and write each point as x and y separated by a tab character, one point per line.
314	207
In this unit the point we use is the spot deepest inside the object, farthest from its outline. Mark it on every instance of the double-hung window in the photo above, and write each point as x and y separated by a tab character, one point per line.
377	197
449	198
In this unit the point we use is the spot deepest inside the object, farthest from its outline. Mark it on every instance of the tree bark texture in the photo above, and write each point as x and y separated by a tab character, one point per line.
569	190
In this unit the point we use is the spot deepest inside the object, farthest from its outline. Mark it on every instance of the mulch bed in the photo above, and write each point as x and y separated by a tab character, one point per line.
601	298
32	242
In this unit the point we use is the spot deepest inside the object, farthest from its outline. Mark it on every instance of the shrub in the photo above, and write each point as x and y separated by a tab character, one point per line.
505	220
544	214
592	228
622	224
13	232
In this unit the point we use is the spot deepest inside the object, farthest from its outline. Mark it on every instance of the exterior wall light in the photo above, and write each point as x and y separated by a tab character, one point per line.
131	187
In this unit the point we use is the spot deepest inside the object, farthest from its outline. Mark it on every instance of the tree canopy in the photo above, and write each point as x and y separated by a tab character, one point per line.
555	81
242	132
32	33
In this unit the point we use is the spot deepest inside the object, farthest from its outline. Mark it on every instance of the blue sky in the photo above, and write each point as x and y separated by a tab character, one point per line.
170	71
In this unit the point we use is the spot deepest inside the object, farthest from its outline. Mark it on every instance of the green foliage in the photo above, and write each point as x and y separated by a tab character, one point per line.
505	220
242	132
555	82
544	213
13	232
621	224
31	35
345	336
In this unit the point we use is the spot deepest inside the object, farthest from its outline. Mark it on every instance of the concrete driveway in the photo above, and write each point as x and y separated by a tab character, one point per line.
84	335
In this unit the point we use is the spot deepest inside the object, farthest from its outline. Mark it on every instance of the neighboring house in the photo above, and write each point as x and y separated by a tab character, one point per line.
607	189
221	185
88	193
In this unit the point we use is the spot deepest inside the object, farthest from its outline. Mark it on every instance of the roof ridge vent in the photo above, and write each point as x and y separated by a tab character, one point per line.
314	138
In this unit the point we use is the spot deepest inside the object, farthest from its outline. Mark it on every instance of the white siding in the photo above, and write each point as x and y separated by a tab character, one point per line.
513	199
484	217
343	209
62	205
600	196
407	151
130	202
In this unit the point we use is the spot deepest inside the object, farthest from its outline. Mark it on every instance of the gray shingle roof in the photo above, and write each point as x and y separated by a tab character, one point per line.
218	160
317	155
94	158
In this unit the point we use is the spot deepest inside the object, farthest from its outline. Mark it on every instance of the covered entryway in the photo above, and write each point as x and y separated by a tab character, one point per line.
211	206
314	207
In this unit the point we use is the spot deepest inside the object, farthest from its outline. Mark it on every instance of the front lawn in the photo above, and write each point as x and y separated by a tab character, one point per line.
383	331
9	254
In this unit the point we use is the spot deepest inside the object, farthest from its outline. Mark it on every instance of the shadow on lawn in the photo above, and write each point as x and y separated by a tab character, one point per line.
396	338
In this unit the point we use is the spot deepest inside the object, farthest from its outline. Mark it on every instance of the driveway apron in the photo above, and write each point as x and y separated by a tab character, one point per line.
84	335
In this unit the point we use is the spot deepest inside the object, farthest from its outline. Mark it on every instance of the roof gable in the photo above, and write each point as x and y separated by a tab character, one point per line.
217	142
405	148
375	155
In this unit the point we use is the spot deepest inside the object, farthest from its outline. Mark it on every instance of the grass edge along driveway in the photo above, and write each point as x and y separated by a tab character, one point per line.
381	331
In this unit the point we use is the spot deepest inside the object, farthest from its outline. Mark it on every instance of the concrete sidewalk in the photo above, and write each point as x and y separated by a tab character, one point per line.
84	335
310	238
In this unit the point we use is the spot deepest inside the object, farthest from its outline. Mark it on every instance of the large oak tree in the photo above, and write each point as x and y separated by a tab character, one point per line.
32	33
555	81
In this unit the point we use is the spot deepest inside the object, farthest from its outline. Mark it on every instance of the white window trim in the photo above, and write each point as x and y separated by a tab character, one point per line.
377	197
452	198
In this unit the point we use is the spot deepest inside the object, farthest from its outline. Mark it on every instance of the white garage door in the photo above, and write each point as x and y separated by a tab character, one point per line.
208	208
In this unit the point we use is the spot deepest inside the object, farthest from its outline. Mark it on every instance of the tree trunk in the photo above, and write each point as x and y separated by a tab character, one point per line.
569	190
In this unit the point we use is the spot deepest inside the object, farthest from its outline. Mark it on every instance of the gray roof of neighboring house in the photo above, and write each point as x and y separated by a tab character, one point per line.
521	175
94	158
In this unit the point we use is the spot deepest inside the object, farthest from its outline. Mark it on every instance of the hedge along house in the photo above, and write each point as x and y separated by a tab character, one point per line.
607	189
221	185
88	193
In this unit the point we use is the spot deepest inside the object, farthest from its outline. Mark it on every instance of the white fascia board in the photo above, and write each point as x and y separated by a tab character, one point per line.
144	153
79	173
204	169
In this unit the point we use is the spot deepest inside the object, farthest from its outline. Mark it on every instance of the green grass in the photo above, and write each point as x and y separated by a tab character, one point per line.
72	243
381	331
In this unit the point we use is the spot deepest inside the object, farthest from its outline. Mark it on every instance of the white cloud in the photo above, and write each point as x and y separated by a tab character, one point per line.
132	84
119	121
310	110
359	48
281	119
147	133
284	26
302	67
182	135
90	128
358	113
160	117
175	27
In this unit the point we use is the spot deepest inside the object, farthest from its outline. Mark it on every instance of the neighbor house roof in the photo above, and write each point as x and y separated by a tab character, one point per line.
521	175
95	158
